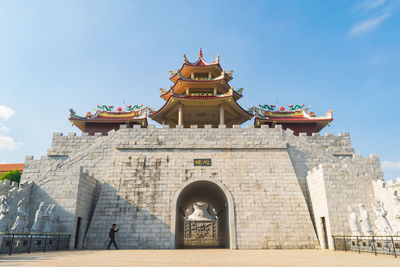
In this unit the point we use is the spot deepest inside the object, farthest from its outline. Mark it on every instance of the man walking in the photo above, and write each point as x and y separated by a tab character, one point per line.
111	234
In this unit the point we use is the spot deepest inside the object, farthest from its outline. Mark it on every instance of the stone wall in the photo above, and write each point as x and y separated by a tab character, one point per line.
6	185
142	168
131	176
307	152
335	186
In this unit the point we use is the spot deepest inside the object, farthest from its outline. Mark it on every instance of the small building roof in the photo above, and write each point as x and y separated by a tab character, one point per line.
11	167
295	115
104	114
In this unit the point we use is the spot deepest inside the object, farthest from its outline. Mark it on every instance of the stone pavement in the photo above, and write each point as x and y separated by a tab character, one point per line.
211	257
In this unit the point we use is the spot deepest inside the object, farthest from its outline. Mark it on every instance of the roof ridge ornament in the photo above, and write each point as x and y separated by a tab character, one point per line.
105	108
217	59
201	53
185	58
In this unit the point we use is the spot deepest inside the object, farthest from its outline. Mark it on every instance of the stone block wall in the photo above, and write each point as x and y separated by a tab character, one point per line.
62	145
142	168
6	185
345	184
131	177
307	152
88	194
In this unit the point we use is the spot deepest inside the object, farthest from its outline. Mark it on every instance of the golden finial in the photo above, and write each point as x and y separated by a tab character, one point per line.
217	59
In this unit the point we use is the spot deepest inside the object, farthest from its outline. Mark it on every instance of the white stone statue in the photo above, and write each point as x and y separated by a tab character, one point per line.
382	224
4	220
353	221
212	212
365	222
50	216
21	220
38	218
200	213
395	214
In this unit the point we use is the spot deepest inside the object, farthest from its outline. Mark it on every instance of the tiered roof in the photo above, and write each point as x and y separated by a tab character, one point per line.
206	83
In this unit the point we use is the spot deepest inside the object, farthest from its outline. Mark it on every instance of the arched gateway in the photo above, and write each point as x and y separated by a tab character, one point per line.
218	199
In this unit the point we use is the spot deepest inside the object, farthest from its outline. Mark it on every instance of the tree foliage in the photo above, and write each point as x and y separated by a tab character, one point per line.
13	176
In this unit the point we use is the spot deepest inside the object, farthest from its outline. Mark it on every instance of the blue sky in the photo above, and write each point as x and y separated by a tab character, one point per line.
340	55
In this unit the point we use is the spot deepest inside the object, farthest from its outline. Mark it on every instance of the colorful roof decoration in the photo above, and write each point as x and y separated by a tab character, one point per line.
167	94
188	67
105	114
200	61
292	114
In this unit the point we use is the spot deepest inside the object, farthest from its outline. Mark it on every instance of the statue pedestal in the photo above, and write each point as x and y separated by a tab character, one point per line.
201	234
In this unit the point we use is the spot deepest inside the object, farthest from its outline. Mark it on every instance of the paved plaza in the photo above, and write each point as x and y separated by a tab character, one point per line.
212	257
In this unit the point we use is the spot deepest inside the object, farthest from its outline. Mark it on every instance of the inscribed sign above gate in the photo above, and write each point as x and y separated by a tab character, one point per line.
202	162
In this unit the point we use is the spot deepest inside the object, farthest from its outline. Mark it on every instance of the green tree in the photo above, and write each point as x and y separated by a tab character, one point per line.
14	176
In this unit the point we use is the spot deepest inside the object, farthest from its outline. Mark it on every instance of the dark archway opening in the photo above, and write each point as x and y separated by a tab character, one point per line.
212	194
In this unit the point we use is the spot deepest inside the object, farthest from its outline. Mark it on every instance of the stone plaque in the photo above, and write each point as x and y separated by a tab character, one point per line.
202	162
201	234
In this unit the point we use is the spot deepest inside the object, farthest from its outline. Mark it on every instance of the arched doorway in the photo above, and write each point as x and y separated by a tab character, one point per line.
218	197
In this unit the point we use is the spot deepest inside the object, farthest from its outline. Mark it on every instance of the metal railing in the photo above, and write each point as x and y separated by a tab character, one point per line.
16	243
389	245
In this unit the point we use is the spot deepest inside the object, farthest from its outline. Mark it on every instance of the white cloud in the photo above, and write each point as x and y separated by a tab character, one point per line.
4	129
391	165
5	112
370	4
367	25
3	162
7	143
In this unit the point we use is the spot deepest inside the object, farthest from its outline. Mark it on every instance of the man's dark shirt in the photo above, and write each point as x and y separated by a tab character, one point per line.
112	232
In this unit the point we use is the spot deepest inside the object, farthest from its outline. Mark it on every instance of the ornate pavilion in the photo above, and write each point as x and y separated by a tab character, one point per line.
201	95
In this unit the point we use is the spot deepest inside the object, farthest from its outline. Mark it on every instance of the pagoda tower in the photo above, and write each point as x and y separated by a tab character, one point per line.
201	96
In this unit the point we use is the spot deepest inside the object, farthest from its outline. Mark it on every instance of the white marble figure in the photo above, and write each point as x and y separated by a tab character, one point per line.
212	212
382	224
38	218
4	220
21	220
353	221
50	216
200	213
395	212
365	222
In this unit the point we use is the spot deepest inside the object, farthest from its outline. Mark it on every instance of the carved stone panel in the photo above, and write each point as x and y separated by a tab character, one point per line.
201	234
